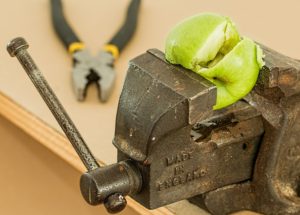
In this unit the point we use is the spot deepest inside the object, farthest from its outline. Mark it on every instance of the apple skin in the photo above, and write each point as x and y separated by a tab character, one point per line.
197	40
210	45
235	75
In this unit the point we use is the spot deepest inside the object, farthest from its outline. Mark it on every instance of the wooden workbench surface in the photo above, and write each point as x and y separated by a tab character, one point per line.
273	23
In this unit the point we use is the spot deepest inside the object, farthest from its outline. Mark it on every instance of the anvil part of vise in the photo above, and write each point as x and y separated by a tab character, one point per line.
244	157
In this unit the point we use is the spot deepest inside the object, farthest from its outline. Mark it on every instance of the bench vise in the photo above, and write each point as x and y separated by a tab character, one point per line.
173	146
244	157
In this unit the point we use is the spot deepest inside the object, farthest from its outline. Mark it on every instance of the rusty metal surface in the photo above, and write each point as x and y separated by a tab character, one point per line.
106	185
244	157
283	73
162	109
274	186
98	185
17	47
157	98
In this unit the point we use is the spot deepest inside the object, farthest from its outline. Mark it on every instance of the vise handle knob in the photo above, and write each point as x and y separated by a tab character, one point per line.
107	190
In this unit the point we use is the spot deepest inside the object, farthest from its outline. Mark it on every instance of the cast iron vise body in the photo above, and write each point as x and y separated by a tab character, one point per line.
246	156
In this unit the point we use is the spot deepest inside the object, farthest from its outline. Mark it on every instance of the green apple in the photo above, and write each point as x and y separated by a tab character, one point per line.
211	46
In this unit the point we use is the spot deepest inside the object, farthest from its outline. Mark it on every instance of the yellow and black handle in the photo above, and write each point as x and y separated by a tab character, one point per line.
114	46
121	38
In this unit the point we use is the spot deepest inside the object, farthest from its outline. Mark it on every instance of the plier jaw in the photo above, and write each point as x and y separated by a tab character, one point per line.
89	69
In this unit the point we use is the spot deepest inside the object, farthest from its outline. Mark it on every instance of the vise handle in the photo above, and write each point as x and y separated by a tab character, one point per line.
106	185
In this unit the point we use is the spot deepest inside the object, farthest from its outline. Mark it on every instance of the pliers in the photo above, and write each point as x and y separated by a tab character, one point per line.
86	68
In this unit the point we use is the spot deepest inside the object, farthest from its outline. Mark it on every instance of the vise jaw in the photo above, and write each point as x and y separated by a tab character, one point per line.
166	125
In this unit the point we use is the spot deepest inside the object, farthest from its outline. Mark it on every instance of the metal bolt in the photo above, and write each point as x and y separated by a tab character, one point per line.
17	47
115	203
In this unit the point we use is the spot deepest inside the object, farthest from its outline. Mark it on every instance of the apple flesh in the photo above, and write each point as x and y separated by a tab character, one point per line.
210	45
